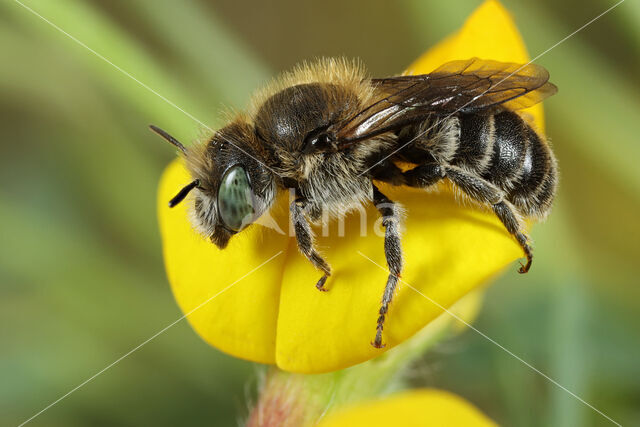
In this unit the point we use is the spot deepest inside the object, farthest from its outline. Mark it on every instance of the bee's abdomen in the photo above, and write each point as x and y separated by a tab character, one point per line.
534	190
506	151
509	150
475	148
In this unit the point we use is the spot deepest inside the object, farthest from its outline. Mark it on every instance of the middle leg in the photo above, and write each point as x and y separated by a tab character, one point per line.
393	252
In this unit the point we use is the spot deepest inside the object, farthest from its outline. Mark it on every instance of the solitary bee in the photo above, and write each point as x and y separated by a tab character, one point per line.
329	132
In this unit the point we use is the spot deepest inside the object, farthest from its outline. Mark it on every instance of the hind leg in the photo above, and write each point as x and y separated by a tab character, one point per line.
507	214
480	190
485	192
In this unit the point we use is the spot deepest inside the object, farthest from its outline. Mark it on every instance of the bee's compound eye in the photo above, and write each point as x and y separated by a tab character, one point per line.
235	199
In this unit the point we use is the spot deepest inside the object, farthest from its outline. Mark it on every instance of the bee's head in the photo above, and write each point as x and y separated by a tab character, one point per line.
231	188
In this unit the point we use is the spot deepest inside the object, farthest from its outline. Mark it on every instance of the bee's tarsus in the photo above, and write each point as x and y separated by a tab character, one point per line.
524	268
321	282
377	342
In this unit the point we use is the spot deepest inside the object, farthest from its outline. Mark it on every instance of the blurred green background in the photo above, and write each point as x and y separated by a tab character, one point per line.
81	273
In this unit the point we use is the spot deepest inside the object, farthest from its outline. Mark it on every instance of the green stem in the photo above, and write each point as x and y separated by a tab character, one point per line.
288	399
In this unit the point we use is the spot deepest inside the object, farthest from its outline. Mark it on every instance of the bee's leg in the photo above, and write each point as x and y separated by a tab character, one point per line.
393	253
485	192
507	214
424	175
304	237
387	171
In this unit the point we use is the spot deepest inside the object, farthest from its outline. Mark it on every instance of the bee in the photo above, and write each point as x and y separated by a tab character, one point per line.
329	132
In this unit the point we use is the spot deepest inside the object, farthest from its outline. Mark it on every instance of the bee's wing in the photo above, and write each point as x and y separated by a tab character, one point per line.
467	86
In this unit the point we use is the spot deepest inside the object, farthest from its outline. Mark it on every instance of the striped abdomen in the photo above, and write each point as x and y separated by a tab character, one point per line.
506	151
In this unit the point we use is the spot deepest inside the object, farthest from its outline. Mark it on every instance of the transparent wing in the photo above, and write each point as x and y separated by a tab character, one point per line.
467	86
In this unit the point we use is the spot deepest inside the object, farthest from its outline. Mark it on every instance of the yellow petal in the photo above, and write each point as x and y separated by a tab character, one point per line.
449	249
489	33
240	321
417	408
276	315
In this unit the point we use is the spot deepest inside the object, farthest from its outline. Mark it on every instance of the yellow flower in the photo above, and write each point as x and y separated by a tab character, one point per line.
275	315
416	408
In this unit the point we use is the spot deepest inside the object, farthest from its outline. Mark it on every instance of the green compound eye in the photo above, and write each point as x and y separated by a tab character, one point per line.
235	199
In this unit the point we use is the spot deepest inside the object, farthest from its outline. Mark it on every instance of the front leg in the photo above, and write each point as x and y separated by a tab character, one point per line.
304	237
393	252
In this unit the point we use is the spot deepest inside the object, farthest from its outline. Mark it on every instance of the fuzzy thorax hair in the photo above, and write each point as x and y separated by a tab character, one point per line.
351	74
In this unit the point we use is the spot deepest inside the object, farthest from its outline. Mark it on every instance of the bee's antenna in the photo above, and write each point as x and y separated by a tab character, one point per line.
183	193
169	138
